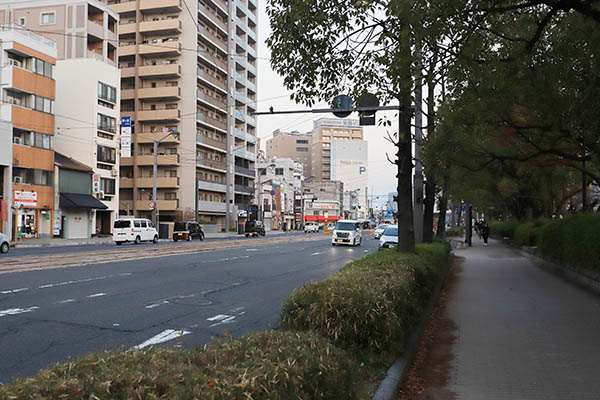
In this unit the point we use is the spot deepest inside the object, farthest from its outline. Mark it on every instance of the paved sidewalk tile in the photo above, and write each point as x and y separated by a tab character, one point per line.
522	333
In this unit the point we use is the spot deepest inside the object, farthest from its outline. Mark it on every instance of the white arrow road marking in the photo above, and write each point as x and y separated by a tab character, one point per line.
226	319
15	311
14	291
96	295
162	337
217	317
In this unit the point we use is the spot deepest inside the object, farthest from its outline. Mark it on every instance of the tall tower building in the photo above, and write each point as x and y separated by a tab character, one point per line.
189	66
325	130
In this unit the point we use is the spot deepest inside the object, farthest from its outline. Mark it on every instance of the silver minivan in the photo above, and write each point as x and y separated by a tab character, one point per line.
134	230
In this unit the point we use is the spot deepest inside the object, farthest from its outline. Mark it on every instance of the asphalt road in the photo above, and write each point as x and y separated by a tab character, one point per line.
49	315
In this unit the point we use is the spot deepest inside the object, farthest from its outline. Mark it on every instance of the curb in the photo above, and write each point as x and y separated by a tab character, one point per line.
388	388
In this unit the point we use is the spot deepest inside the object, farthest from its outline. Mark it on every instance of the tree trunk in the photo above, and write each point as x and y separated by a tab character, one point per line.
406	234
429	202
443	206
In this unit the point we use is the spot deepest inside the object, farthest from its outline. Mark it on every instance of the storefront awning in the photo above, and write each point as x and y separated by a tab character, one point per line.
74	200
320	218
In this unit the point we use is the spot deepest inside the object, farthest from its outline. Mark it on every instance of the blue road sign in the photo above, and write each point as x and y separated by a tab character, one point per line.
126	121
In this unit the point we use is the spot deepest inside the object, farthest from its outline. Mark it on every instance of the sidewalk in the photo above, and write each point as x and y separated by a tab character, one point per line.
520	331
56	242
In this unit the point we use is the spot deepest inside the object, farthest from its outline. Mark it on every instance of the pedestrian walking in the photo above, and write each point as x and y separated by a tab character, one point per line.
485	232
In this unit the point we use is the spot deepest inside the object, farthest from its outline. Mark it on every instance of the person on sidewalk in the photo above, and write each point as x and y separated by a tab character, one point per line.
484	231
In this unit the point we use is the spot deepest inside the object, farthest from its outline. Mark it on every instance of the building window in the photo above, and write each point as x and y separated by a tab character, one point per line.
32	176
106	154
107	92
278	171
43	104
106	123
302	149
107	186
48	18
301	141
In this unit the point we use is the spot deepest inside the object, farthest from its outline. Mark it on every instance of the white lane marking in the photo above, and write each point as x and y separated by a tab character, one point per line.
66	301
162	337
217	317
96	295
229	320
366	251
116	324
157	304
14	291
251	249
15	311
51	285
316	254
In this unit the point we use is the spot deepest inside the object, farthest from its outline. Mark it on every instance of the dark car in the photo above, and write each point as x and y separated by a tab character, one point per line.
187	230
254	228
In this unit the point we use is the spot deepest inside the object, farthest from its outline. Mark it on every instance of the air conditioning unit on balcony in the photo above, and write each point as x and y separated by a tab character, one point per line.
101	195
17	140
114	172
16	63
17	179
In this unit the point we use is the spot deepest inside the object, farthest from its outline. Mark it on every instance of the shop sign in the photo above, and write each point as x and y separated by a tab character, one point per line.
25	199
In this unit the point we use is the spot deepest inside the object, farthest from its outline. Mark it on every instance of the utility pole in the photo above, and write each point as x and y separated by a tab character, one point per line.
418	177
230	157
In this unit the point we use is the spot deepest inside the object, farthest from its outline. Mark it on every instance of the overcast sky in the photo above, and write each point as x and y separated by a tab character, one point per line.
271	93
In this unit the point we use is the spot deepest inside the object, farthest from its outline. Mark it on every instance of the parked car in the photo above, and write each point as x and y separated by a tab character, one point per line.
4	243
134	230
311	227
389	238
254	228
379	231
187	230
347	231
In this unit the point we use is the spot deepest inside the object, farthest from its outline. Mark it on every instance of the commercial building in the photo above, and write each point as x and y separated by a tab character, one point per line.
294	145
349	164
87	88
28	87
192	68
5	177
325	130
278	183
322	199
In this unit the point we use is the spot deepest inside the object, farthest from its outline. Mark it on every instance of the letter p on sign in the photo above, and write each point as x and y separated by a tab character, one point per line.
362	169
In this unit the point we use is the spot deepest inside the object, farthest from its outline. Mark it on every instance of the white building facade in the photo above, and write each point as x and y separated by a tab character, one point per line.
278	181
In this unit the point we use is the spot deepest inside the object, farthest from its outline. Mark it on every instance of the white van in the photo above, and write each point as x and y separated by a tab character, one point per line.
134	230
347	231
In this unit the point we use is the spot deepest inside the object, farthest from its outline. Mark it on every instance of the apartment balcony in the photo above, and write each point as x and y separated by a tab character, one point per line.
251	17
211	60
211	122
127	28
160	5
251	120
241	61
95	29
212	38
128	72
159	115
211	186
126	49
252	4
240	134
251	34
251	51
211	207
251	68
126	162
161	205
127	94
213	81
241	43
161	27
27	81
34	158
213	101
124	7
243	189
125	183
164	93
158	71
245	154
215	144
162	182
241	24
251	86
209	16
31	120
150	137
245	171
218	165
161	159
160	48
240	79
95	54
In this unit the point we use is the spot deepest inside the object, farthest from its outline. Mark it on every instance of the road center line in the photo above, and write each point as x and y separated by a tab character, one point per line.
96	295
66	301
51	285
16	311
14	291
162	337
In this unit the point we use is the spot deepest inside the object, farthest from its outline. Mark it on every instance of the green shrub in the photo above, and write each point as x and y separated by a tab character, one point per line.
525	234
503	229
272	365
372	302
574	240
458	230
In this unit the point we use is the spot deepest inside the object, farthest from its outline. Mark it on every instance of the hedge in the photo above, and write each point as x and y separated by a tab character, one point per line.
371	303
503	229
458	230
574	240
271	365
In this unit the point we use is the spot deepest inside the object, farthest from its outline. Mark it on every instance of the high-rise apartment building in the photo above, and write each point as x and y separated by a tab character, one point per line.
325	130
294	145
189	66
87	90
27	63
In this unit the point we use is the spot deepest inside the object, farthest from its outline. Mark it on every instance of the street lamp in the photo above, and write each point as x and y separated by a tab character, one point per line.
175	134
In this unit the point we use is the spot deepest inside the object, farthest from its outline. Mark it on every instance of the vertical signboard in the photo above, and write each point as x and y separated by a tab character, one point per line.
125	136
